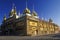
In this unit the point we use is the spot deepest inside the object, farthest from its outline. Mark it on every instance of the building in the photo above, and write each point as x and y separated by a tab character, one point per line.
27	23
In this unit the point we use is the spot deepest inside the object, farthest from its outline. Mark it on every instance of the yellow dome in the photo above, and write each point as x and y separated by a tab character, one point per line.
26	10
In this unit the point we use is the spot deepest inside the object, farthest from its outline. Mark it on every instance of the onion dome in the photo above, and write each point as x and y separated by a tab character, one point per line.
26	10
4	17
13	11
50	20
34	13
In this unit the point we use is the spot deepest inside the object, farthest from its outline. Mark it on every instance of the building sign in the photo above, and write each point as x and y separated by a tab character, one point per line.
31	23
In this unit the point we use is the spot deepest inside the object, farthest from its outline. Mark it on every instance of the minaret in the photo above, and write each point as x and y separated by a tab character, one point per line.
13	11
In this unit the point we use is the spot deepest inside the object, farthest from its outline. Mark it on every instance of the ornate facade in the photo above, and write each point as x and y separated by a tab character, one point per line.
27	24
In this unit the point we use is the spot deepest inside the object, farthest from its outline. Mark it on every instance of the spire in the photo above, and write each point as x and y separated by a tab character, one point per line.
26	3
13	6
33	7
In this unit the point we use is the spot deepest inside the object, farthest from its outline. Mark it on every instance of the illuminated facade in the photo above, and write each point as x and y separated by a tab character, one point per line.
27	23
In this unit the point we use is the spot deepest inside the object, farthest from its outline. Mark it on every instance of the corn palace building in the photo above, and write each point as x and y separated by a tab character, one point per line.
27	24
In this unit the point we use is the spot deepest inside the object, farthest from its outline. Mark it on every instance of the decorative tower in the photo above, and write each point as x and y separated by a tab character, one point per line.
13	11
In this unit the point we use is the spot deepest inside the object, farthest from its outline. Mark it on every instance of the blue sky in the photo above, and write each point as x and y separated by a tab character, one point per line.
44	8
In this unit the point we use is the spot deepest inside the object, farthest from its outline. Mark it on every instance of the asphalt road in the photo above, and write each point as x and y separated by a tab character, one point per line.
28	38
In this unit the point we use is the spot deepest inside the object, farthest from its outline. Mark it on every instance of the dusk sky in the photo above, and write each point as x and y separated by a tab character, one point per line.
45	8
